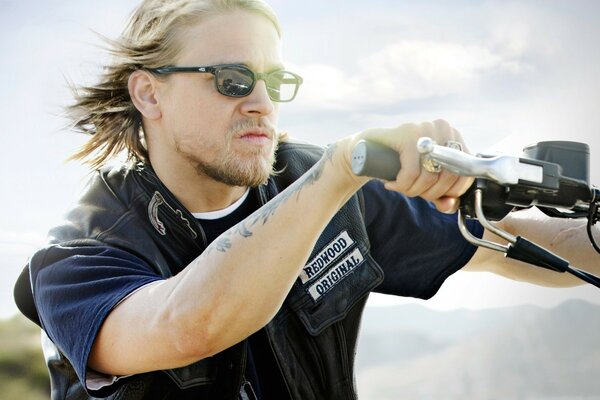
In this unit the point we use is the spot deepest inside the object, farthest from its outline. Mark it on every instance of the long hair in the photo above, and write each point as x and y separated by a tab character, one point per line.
150	39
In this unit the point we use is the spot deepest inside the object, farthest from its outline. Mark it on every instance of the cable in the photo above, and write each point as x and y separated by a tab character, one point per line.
592	219
589	278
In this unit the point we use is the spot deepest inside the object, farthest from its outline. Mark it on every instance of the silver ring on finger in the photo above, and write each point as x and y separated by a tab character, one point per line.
452	144
430	165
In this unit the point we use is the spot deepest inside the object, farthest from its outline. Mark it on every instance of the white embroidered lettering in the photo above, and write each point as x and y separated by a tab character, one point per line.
326	257
336	274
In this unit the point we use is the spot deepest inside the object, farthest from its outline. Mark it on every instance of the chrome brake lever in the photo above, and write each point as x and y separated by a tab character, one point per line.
505	170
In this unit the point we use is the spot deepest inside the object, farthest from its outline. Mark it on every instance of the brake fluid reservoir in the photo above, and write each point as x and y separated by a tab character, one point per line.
573	157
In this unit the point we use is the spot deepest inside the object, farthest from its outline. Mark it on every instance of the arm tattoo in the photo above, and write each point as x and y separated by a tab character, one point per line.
262	215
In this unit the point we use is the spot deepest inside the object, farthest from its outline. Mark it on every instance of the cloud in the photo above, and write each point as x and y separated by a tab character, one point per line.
15	242
418	69
405	70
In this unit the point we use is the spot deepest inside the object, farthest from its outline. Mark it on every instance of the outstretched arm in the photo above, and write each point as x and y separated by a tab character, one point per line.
566	238
237	285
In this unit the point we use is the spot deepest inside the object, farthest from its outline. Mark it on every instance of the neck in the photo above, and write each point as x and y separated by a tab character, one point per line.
197	192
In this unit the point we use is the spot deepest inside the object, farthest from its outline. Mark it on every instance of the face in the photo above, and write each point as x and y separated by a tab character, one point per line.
230	140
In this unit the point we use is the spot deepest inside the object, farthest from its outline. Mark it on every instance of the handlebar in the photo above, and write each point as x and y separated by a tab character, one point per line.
514	181
552	176
504	170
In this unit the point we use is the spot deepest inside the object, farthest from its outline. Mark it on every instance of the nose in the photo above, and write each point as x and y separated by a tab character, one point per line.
258	102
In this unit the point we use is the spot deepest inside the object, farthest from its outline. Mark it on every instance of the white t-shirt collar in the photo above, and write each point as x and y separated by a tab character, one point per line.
211	215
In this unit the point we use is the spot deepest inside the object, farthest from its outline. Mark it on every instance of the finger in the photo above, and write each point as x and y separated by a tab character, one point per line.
446	181
424	183
411	167
412	179
443	131
446	204
461	185
457	137
429	184
448	134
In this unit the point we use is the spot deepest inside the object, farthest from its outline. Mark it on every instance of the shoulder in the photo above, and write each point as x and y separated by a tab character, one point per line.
111	185
295	152
108	197
294	158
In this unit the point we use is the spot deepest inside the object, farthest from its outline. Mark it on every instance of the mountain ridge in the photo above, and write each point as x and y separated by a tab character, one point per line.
523	352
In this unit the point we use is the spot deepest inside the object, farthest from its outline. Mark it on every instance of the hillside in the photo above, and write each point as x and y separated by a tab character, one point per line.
23	374
512	353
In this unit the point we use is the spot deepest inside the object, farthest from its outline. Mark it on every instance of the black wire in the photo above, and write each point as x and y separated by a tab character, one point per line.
589	278
555	213
592	219
592	240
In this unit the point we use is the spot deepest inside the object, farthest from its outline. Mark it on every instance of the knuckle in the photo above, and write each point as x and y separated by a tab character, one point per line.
441	123
410	176
408	127
427	126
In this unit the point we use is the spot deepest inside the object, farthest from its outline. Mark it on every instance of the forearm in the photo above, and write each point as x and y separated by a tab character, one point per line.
566	238
247	272
236	286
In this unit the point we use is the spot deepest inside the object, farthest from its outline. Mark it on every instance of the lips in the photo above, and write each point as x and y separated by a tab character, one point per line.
257	135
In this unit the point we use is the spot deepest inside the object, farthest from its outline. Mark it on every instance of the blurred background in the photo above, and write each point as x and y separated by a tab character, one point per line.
505	73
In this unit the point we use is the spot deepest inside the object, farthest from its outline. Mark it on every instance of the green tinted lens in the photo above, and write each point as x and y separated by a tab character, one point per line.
282	85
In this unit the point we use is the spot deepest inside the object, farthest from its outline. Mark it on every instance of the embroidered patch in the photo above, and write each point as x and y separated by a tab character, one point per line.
336	274
326	257
156	201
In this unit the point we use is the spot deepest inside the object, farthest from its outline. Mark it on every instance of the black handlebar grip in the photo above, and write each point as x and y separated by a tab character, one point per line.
375	160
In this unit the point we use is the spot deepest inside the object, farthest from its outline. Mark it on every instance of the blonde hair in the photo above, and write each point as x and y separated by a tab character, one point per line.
105	111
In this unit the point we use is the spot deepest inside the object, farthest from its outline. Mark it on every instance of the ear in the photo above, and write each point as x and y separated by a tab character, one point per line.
142	90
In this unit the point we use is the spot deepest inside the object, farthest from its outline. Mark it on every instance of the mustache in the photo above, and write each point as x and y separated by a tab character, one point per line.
248	124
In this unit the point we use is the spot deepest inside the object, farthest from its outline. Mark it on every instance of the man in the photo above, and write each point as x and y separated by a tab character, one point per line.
223	261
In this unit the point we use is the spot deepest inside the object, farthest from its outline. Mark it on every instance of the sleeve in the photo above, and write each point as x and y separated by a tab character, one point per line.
417	246
74	290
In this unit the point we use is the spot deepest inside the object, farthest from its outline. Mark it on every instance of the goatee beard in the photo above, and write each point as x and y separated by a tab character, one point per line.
233	171
250	170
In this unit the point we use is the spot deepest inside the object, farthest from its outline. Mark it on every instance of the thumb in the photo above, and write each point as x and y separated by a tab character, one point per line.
447	204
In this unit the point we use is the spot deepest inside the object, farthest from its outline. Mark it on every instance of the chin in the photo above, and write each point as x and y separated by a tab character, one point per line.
235	171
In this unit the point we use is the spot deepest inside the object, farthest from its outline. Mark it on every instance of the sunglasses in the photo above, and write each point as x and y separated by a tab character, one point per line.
234	80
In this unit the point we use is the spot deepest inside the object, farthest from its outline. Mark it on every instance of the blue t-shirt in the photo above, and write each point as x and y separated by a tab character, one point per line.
76	287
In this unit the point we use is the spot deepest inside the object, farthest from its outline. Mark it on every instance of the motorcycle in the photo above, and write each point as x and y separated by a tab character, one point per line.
552	176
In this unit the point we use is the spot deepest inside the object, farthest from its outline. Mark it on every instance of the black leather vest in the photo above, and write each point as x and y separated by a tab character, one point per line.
314	334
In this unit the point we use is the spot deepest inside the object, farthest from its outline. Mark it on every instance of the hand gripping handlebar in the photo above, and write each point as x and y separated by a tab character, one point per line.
502	184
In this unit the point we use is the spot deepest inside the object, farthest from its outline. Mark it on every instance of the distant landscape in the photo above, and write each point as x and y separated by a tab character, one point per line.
412	352
23	374
524	353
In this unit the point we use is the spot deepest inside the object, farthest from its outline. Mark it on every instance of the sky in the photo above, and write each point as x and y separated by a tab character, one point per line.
504	73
